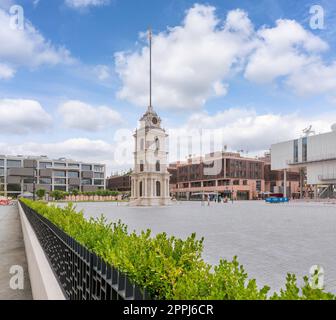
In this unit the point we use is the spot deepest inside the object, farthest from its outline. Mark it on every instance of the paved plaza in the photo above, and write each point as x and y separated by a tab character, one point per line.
12	253
269	240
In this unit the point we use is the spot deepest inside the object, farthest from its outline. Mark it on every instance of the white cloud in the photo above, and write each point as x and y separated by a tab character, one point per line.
281	51
82	116
78	4
102	72
6	72
28	47
245	129
315	78
194	62
5	4
23	116
190	62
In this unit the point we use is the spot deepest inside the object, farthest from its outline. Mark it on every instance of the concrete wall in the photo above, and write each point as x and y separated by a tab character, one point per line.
321	172
322	146
43	281
281	154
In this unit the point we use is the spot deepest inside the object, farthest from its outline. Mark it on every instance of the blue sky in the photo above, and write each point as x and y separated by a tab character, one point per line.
76	75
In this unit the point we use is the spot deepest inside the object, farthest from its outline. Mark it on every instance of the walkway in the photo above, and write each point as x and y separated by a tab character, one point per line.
12	253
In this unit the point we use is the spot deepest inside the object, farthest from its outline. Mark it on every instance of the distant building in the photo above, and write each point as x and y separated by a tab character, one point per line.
222	174
314	158
120	183
18	174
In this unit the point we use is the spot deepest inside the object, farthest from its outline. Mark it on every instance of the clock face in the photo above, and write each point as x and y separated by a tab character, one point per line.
154	120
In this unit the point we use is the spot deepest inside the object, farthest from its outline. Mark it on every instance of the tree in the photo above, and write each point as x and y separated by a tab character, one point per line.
58	195
40	193
75	192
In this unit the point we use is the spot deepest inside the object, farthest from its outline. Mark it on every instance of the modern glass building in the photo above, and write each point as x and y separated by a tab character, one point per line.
314	156
18	174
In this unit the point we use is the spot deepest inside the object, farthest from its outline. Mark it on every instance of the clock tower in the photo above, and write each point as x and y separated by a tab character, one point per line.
150	178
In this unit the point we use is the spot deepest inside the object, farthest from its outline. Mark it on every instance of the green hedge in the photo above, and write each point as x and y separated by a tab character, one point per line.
168	267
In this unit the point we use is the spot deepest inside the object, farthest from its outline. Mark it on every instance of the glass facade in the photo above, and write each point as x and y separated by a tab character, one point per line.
59	165
73	165
296	151
54	175
73	174
86	182
99	175
86	167
304	150
99	168
44	165
99	182
45	180
60	174
14	164
59	181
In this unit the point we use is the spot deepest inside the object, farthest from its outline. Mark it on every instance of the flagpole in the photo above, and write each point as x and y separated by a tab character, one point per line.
150	68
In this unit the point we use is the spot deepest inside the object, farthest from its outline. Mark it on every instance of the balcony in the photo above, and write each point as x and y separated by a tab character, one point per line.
21	172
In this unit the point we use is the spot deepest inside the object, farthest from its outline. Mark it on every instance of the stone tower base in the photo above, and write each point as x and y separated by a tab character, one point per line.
150	202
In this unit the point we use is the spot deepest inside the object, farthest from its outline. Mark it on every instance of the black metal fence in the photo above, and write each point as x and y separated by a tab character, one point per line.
81	274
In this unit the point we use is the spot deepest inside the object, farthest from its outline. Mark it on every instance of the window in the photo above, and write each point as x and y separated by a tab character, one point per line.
28	180
73	165
60	174
2	163
99	175
296	151
60	165
44	165
141	166
13	187
195	184
223	182
13	163
86	182
59	181
258	185
60	188
158	189
99	168
304	149
236	182
157	144
158	166
2	172
140	188
244	182
86	167
73	174
45	181
99	182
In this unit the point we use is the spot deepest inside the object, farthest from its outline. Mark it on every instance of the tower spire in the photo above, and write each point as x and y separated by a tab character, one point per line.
150	35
